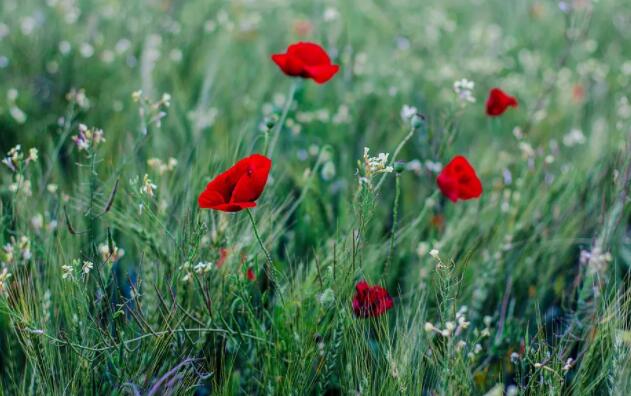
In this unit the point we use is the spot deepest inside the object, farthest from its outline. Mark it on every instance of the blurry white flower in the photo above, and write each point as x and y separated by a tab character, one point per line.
460	345
166	99
330	14
327	297
342	116
37	221
110	257
464	89
435	254
18	115
568	364
147	186
136	95
86	50
87	267
573	138
526	150
328	171
203	267
64	47
422	249
407	112
434	167
67	272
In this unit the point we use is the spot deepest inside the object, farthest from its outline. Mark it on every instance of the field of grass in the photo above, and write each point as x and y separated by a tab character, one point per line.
115	114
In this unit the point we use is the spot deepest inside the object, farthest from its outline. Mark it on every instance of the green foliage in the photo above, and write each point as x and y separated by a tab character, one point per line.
113	281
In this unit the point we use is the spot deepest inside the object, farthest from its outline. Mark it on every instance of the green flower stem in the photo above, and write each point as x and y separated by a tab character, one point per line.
258	238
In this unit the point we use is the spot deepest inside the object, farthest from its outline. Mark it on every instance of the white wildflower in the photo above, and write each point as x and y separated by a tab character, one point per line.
147	186
67	272
573	138
87	267
203	267
407	112
464	89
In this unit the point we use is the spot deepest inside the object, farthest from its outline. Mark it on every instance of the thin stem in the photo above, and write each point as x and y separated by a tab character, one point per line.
279	125
395	218
258	238
396	154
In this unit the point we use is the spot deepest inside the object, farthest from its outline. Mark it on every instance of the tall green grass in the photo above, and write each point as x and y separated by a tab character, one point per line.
537	267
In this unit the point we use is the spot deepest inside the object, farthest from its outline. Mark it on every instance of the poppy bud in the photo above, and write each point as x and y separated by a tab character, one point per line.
418	120
270	121
399	166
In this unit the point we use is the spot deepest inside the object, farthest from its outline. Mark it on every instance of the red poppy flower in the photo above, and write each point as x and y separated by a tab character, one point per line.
250	274
306	60
238	187
459	181
498	101
370	300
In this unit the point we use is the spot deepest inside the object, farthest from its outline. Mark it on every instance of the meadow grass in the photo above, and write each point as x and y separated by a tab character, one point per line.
113	281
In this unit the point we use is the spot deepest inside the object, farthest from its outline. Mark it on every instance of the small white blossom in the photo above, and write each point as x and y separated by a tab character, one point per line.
67	272
464	89
573	138
87	267
407	112
147	186
203	267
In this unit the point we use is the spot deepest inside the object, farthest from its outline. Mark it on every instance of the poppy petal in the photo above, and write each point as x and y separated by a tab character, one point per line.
280	60
309	53
322	74
209	199
250	187
234	206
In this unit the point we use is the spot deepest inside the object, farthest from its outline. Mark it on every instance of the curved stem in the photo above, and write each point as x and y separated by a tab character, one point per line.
258	238
281	122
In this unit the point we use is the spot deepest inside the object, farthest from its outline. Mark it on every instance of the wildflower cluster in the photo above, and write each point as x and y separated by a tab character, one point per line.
83	267
15	158
200	268
464	90
88	138
160	166
370	166
110	254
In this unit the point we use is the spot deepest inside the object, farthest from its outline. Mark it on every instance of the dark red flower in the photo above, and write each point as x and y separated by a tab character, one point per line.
250	274
459	181
238	187
370	300
306	60
498	101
